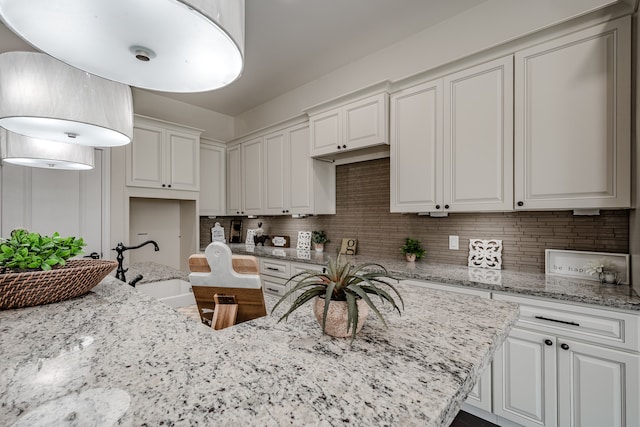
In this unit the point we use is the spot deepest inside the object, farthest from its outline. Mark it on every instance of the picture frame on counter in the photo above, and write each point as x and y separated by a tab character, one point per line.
576	264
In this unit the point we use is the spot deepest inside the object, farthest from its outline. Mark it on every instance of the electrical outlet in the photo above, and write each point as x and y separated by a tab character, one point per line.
453	243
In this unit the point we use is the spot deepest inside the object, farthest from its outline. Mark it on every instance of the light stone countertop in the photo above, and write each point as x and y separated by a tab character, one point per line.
528	284
153	272
116	351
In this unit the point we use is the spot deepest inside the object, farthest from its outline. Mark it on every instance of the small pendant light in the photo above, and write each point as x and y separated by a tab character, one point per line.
43	98
22	150
164	45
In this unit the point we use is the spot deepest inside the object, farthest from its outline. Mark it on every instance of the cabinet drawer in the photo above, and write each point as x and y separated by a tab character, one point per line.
275	268
597	325
273	287
300	267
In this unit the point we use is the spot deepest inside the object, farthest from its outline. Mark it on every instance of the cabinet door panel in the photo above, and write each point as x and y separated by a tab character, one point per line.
364	122
416	148
212	180
183	162
145	161
326	131
573	119
525	379
598	386
478	137
276	169
234	180
300	172
252	173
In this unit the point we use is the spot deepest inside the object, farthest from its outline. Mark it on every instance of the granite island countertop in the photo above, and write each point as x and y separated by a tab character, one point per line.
146	364
153	272
563	289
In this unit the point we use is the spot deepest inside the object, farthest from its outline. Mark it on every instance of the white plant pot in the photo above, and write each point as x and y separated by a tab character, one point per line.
319	247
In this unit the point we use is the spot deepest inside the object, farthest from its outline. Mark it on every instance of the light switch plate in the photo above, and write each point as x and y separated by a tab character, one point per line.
454	243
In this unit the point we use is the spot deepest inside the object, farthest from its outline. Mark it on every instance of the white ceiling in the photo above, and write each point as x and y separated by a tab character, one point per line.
292	42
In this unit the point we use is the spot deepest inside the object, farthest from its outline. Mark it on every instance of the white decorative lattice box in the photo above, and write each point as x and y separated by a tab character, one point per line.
485	253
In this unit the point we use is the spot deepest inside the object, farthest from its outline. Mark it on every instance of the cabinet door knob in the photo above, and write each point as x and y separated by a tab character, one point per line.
548	342
437	206
344	146
446	206
163	185
564	346
169	185
339	147
520	203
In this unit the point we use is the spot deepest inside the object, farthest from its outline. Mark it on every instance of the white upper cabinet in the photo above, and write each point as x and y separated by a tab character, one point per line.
416	148
355	125
212	178
572	120
478	138
163	155
244	178
276	159
234	180
252	176
452	143
279	177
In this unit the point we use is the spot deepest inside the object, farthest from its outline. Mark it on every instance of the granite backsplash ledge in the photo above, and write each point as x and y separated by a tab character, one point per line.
362	212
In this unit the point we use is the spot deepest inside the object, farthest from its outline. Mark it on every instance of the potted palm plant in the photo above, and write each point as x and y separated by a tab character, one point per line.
319	238
351	292
412	249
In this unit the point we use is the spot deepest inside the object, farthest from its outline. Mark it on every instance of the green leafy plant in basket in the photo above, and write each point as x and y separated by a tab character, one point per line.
31	251
357	287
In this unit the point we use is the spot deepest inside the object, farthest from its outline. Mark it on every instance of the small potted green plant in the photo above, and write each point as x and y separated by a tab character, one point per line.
347	288
319	238
412	249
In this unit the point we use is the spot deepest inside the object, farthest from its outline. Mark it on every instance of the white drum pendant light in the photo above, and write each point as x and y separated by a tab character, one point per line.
43	98
165	45
37	153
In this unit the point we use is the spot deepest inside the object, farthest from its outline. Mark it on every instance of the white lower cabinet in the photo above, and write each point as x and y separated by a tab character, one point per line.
597	386
275	273
524	376
565	365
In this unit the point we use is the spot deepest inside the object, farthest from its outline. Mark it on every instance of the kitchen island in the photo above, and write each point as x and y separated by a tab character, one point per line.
142	363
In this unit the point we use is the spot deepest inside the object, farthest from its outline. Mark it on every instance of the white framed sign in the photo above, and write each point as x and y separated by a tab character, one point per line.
579	264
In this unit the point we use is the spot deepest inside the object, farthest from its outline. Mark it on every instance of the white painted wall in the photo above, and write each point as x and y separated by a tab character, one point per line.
489	24
159	220
214	125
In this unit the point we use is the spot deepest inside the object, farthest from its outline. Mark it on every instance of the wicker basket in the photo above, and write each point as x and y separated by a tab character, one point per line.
31	288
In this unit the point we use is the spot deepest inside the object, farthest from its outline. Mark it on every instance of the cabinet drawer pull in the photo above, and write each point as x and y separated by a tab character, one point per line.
557	321
273	290
273	268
